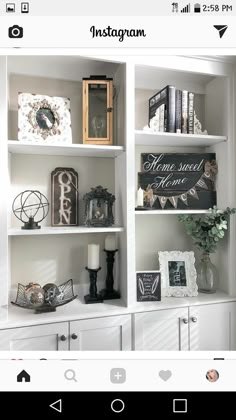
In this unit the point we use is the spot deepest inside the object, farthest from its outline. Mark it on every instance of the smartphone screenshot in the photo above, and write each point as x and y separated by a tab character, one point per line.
118	207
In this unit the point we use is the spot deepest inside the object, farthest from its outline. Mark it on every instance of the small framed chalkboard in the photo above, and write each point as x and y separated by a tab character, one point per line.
148	286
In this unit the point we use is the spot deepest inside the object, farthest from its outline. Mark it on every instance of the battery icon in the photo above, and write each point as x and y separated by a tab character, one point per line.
197	8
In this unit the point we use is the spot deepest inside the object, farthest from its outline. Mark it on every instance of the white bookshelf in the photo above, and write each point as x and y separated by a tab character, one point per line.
39	254
212	84
30	166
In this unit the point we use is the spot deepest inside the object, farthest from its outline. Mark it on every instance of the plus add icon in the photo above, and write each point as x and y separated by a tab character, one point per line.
118	376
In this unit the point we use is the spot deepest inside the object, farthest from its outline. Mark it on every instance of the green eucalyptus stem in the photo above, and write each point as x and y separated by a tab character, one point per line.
206	231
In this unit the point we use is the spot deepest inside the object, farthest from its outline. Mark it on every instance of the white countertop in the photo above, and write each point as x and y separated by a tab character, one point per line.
77	310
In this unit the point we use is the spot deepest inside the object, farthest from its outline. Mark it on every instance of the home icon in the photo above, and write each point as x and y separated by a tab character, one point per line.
23	376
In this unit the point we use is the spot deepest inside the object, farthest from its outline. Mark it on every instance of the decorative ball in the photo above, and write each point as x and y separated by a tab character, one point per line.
30	207
31	286
34	294
51	292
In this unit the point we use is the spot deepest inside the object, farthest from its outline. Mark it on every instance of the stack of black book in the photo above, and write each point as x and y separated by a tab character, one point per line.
172	110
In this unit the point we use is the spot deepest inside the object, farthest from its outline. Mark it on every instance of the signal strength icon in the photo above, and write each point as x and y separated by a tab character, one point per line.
221	29
185	9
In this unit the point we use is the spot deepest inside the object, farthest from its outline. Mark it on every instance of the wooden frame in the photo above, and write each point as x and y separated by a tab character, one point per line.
94	140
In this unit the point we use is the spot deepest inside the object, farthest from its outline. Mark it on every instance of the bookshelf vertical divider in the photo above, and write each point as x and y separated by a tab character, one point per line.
4	184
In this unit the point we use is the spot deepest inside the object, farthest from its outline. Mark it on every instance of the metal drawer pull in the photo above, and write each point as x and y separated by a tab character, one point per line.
185	320
63	338
74	336
194	319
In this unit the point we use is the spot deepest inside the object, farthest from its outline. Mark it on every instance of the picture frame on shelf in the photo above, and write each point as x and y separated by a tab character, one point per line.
178	273
44	119
148	286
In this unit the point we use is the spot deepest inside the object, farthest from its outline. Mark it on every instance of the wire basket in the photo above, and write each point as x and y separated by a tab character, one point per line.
65	295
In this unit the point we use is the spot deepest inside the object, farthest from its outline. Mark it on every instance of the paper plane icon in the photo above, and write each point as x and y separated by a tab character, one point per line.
221	29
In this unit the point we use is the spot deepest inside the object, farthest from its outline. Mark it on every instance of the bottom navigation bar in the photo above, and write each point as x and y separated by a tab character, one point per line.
120	404
117	375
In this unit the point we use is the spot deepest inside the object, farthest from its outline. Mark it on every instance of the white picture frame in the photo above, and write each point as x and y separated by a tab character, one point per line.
44	119
178	274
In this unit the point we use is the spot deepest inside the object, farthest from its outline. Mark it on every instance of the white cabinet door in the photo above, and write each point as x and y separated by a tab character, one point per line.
161	330
213	327
110	333
51	337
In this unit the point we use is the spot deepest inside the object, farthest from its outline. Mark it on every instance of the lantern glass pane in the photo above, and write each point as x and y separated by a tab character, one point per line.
97	110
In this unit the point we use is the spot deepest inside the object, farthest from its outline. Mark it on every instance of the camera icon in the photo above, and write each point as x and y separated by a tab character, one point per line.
15	31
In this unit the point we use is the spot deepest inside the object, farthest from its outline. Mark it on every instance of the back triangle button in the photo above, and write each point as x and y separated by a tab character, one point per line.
57	405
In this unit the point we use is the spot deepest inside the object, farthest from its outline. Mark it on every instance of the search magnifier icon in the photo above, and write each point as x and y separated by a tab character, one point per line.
70	375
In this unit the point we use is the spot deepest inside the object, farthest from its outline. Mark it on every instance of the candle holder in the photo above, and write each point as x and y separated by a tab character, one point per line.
109	292
93	296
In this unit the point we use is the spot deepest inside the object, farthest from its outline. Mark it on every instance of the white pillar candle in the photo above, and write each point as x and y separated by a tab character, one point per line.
110	243
93	256
140	197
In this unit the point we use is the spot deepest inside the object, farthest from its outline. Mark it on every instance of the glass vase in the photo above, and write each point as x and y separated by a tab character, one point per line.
207	275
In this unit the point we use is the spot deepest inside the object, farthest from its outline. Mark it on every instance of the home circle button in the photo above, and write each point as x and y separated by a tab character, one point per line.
117	406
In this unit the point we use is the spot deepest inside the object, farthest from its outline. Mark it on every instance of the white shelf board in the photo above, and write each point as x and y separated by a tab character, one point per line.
146	138
76	310
49	230
89	150
173	212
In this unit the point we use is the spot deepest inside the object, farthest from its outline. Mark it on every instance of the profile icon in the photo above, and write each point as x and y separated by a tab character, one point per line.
212	375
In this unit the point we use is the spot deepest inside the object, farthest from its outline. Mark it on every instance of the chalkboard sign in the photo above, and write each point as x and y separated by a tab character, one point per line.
178	180
65	197
148	286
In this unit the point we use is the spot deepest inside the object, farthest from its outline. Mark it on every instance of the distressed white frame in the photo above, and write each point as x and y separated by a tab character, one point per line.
191	275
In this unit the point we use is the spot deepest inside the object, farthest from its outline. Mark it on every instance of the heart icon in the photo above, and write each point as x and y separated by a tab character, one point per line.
165	375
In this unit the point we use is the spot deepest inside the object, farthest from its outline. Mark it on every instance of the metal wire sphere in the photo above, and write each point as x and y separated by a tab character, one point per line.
30	204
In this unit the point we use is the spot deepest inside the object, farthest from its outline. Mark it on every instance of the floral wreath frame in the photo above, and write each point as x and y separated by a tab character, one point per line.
54	130
29	127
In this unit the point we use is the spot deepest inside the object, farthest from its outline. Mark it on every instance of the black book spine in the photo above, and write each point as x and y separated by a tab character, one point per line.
184	111
191	113
178	110
171	110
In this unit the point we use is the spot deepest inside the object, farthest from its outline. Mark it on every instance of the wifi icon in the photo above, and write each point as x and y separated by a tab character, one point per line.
221	29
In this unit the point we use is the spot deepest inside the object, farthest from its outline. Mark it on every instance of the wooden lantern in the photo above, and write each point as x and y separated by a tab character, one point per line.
97	110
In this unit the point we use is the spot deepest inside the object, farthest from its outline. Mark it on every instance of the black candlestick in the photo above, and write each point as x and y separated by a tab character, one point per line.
109	292
93	296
